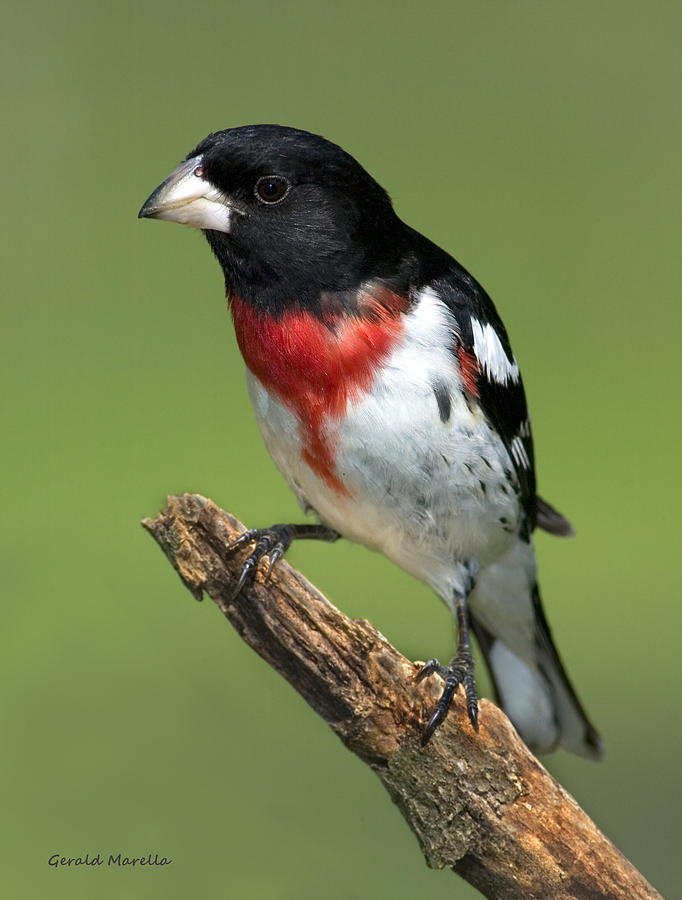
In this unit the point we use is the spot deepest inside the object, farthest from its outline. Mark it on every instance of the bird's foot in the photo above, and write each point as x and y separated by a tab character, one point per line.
459	671
272	542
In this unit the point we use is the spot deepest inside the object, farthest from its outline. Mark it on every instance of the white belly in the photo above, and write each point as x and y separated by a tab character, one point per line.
426	493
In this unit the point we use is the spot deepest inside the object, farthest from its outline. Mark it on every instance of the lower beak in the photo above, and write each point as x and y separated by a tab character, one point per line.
188	198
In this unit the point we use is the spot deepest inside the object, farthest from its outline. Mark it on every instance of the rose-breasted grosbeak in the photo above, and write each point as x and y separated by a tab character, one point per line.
388	396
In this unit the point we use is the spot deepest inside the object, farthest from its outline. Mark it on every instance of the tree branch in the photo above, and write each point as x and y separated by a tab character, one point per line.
477	802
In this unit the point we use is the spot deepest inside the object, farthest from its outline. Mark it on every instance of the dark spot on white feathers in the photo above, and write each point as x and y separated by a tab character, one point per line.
488	464
443	400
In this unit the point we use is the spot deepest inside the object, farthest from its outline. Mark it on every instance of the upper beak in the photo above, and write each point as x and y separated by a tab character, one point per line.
188	198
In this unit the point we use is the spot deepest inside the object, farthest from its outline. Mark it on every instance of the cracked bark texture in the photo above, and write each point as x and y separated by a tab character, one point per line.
478	802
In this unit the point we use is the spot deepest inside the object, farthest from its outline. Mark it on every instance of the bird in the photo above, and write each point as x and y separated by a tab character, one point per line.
386	391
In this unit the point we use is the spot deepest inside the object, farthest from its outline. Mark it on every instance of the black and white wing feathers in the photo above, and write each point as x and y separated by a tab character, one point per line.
491	375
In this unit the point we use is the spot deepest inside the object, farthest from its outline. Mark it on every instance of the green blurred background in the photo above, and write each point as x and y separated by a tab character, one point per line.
539	142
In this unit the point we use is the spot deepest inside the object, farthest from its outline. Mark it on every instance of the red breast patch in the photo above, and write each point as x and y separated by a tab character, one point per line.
316	366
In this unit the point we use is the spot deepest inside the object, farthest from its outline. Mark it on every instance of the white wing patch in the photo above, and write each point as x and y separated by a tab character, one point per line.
491	356
518	451
429	321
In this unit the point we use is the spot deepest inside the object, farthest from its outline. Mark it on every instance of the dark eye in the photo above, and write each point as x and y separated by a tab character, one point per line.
272	188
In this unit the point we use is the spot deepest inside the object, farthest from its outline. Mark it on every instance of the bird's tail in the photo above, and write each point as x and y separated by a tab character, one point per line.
533	689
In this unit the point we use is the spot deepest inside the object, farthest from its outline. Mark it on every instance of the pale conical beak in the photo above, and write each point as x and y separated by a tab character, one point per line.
186	197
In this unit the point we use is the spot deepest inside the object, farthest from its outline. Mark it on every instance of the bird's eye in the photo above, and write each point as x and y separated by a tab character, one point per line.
272	189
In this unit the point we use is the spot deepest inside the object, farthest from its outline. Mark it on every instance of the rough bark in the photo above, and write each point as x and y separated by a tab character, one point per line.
478	802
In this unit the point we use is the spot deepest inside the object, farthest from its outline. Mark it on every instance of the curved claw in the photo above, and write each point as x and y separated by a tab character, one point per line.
427	669
246	537
460	671
442	708
275	555
436	719
433	723
247	573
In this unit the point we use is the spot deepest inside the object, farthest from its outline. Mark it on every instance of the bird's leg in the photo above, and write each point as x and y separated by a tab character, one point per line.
274	542
459	671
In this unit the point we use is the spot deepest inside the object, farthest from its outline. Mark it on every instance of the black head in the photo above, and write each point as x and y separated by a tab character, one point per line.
288	214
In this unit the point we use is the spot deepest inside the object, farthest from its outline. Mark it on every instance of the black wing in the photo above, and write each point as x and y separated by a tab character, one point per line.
489	370
491	374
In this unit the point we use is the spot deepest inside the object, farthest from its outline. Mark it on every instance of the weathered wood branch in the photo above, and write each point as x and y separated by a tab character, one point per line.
478	802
